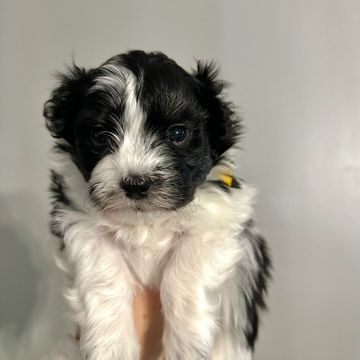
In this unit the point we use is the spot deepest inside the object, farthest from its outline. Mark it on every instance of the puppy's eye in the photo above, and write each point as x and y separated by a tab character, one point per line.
177	134
99	138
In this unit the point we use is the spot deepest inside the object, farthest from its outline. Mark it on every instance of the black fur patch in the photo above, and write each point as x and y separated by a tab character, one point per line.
224	125
235	184
54	226
63	147
59	200
220	184
61	110
256	301
57	189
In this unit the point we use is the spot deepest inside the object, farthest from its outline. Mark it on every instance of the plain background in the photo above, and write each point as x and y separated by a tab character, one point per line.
295	70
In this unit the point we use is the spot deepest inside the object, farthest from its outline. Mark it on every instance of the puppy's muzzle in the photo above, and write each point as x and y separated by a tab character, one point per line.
136	187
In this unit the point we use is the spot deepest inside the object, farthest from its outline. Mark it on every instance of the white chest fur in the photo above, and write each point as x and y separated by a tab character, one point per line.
187	254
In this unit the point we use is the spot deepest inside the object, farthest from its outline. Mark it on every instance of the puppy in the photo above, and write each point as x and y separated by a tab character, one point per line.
143	194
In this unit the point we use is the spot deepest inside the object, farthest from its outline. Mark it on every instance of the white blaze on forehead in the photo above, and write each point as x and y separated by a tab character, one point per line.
134	117
137	153
112	82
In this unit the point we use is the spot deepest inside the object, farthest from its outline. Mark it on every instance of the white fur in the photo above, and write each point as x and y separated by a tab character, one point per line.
113	81
188	254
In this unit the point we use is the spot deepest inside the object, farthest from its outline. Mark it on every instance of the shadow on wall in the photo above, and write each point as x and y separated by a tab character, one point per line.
19	279
30	286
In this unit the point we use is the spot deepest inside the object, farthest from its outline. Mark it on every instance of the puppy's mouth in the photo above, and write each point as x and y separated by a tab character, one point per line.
149	205
117	205
141	205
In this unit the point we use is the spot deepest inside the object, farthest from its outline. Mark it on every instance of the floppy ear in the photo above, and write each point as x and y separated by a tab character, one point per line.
223	124
65	101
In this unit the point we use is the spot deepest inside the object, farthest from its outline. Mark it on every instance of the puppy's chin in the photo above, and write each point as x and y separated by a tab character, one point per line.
116	208
144	206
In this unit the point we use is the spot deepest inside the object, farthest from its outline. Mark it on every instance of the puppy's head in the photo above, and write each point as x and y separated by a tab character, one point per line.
143	132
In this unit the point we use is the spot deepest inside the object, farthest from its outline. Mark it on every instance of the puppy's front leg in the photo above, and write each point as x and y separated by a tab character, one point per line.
190	306
101	295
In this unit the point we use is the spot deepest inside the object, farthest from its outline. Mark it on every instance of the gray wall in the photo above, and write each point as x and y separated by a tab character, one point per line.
294	66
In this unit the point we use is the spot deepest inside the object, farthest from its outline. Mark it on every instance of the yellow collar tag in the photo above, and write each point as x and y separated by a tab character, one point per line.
226	178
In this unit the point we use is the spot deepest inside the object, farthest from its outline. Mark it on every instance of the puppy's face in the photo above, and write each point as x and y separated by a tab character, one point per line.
143	132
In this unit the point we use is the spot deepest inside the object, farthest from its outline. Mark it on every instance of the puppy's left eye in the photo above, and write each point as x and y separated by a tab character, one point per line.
99	138
177	134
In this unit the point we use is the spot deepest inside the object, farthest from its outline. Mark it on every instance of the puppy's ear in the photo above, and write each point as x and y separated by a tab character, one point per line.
65	101
223	124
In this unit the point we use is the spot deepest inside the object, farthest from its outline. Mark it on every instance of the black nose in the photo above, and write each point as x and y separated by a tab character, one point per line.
135	186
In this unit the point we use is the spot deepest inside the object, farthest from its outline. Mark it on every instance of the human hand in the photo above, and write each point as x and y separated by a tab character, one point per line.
148	323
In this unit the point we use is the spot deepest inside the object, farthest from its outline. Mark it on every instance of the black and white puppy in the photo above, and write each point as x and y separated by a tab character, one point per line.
143	195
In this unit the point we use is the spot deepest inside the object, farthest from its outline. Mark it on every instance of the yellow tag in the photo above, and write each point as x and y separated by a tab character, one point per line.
227	179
